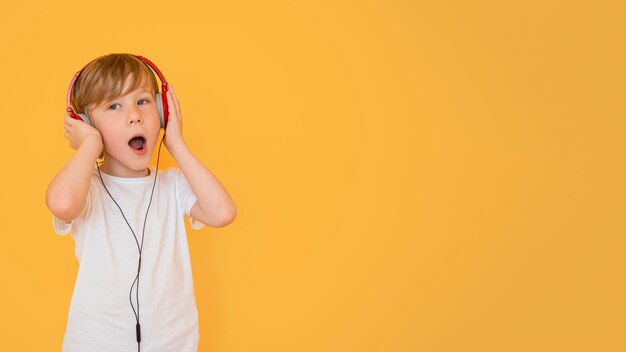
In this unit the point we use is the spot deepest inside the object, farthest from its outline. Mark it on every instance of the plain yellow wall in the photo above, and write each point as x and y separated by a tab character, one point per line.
409	175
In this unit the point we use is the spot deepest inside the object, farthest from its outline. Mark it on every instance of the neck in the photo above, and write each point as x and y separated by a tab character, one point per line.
126	173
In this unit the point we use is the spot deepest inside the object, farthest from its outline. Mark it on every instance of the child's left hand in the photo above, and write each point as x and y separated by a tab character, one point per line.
174	128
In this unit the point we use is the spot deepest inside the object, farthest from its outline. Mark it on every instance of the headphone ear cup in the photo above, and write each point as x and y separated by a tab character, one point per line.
85	118
159	103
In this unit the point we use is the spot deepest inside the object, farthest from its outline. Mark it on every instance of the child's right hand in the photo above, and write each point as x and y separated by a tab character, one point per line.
78	131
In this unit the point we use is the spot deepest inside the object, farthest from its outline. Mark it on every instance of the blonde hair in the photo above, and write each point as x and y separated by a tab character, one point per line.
108	77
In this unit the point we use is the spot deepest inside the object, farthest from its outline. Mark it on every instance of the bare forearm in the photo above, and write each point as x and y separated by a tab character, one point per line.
67	192
213	199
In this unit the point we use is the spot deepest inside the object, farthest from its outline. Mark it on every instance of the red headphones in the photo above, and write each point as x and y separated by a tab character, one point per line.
160	98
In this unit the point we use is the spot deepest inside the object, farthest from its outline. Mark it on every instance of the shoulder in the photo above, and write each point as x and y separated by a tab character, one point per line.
172	174
173	177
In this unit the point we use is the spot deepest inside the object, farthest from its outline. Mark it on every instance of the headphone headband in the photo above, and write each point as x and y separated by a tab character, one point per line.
163	95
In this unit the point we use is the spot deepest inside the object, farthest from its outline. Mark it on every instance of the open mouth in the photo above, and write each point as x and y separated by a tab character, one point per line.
137	143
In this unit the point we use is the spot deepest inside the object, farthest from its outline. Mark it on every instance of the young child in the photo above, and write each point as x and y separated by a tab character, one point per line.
134	287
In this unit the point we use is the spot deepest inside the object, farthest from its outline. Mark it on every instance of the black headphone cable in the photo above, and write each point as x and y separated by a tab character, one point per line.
139	246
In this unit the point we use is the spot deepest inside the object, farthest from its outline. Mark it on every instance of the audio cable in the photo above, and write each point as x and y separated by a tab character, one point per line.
139	246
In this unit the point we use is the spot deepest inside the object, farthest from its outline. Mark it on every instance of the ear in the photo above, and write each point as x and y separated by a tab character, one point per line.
159	103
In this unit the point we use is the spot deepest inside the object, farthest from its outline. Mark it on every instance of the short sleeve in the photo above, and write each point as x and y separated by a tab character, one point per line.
61	227
187	198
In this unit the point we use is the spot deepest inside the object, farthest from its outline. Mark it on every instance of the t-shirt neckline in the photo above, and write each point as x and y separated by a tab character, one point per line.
128	180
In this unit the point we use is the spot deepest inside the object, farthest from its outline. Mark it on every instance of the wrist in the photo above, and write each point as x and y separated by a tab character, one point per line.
93	143
177	148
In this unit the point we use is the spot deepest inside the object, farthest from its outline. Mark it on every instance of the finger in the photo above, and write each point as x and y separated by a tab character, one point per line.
171	105
67	135
69	123
176	103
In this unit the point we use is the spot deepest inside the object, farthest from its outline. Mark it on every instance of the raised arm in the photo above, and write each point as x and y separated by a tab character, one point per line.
214	206
67	192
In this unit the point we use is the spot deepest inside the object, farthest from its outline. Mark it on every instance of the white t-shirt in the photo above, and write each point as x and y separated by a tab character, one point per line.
100	316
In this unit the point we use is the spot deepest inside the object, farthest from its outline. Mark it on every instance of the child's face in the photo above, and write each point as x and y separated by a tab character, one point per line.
129	126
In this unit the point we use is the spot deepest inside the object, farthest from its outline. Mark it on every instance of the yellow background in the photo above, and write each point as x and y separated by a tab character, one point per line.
409	175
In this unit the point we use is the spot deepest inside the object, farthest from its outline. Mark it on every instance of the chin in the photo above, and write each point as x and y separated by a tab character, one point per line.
142	166
139	165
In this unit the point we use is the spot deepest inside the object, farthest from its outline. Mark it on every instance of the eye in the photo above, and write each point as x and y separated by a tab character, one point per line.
114	107
142	101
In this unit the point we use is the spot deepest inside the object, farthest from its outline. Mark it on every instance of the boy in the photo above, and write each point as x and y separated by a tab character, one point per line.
134	286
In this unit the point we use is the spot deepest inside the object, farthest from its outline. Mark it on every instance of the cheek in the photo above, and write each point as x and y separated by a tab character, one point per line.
109	141
152	117
110	134
153	131
153	123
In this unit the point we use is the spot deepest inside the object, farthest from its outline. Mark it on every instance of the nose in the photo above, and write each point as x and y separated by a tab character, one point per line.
134	116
